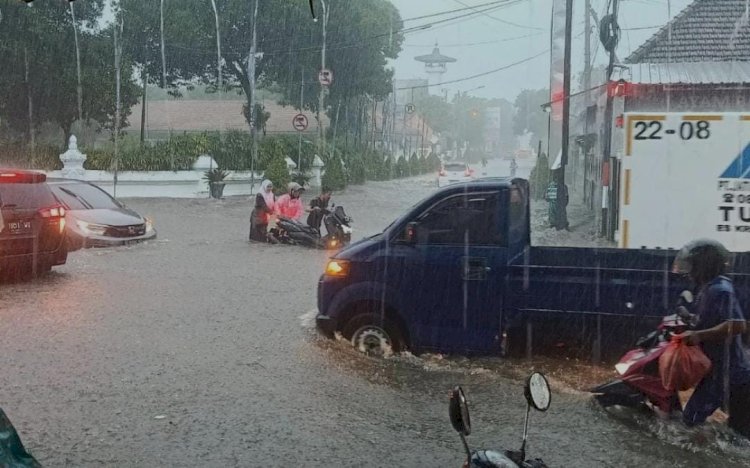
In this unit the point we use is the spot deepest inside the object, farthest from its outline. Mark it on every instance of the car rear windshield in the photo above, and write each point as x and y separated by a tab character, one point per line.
84	197
26	196
455	167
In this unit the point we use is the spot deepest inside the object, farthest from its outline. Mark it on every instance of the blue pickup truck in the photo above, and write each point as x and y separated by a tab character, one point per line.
457	274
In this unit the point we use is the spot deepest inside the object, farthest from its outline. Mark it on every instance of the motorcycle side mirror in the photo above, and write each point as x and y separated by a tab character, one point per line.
458	410
537	391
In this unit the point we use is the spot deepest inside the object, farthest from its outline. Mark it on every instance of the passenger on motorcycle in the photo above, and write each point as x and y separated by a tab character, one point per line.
289	205
720	325
318	208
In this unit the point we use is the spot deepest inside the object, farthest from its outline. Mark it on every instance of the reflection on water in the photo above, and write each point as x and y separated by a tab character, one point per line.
494	386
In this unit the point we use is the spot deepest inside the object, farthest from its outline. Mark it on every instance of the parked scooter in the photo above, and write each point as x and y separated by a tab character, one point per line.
336	222
640	383
538	396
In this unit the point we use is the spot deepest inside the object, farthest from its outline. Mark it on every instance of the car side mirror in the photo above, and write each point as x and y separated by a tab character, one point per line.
411	233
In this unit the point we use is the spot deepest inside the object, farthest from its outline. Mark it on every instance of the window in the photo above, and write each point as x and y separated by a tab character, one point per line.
26	196
517	214
466	218
84	196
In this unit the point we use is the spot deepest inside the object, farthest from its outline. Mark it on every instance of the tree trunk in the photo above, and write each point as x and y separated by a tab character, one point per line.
163	53
118	60
79	88
218	45
32	142
144	77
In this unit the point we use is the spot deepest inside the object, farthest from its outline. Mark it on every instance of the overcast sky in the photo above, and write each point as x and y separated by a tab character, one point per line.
513	33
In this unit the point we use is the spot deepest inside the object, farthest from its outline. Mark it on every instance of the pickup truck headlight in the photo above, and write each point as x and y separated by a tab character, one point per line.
337	268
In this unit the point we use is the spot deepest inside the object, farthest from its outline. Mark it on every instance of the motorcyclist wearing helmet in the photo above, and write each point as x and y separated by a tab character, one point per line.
289	205
720	324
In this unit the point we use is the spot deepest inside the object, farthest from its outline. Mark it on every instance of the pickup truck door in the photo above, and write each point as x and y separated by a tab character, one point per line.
452	278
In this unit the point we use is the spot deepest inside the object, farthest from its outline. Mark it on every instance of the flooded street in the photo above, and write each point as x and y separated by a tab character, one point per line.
196	350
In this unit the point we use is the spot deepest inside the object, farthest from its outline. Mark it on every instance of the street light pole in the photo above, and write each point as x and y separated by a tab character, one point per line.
323	89
251	75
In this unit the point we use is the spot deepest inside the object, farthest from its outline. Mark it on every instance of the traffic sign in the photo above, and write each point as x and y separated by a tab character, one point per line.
410	108
300	122
325	77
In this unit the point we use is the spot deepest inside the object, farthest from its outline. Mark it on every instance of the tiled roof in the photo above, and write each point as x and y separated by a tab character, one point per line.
705	31
686	73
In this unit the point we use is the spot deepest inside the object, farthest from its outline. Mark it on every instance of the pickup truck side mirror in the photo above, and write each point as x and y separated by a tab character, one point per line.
410	235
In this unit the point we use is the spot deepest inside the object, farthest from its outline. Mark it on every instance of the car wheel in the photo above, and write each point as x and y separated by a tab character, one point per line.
374	336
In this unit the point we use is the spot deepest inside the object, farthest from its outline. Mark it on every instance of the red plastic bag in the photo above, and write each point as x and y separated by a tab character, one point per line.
682	367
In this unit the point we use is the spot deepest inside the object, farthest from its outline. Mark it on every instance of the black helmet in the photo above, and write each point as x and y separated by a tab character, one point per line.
703	260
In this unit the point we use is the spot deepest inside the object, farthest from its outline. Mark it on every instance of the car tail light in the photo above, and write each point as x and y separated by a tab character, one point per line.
22	177
469	172
442	173
54	214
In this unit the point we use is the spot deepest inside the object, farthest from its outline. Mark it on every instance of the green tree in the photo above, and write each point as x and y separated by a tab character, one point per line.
529	114
38	80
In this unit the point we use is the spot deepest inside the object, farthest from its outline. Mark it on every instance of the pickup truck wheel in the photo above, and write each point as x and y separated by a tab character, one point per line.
373	336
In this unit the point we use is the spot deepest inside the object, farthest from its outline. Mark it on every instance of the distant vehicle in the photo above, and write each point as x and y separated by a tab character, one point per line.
95	219
453	173
32	225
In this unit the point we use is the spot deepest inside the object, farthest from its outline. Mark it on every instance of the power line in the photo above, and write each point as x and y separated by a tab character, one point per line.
501	20
467	44
478	75
432	15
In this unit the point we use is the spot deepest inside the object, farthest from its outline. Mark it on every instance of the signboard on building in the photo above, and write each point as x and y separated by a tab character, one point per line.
685	176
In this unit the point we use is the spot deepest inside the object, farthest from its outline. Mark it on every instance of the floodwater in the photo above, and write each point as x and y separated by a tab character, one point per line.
196	350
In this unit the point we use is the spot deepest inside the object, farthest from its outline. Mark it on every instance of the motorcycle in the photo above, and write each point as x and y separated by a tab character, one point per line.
639	383
538	395
338	231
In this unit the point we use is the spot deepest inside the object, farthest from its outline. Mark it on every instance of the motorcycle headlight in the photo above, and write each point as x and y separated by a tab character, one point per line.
92	229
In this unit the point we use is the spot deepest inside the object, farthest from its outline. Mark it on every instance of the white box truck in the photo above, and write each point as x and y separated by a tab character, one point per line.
685	176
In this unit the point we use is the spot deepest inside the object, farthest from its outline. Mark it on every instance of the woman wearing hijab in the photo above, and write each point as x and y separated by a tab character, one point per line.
261	215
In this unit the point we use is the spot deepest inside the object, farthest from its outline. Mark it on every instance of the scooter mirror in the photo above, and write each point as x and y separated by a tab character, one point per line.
458	410
537	391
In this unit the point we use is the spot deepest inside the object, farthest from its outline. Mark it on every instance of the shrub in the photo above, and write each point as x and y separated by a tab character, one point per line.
278	173
402	167
356	169
334	176
44	157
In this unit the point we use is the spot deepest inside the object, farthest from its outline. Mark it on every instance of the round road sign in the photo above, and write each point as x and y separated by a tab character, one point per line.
325	77
410	108
300	122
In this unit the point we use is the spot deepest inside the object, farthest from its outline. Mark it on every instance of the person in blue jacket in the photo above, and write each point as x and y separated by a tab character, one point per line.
720	325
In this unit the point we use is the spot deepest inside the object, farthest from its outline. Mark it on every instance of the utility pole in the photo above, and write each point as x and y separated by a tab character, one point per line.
323	89
610	46
301	108
587	53
218	46
251	75
566	104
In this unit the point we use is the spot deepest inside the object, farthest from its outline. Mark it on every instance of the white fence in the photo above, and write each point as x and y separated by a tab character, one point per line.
165	184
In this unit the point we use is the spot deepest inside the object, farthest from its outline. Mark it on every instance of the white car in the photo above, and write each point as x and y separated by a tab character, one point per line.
453	173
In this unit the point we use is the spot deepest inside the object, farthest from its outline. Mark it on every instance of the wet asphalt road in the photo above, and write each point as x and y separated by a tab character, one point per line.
190	351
